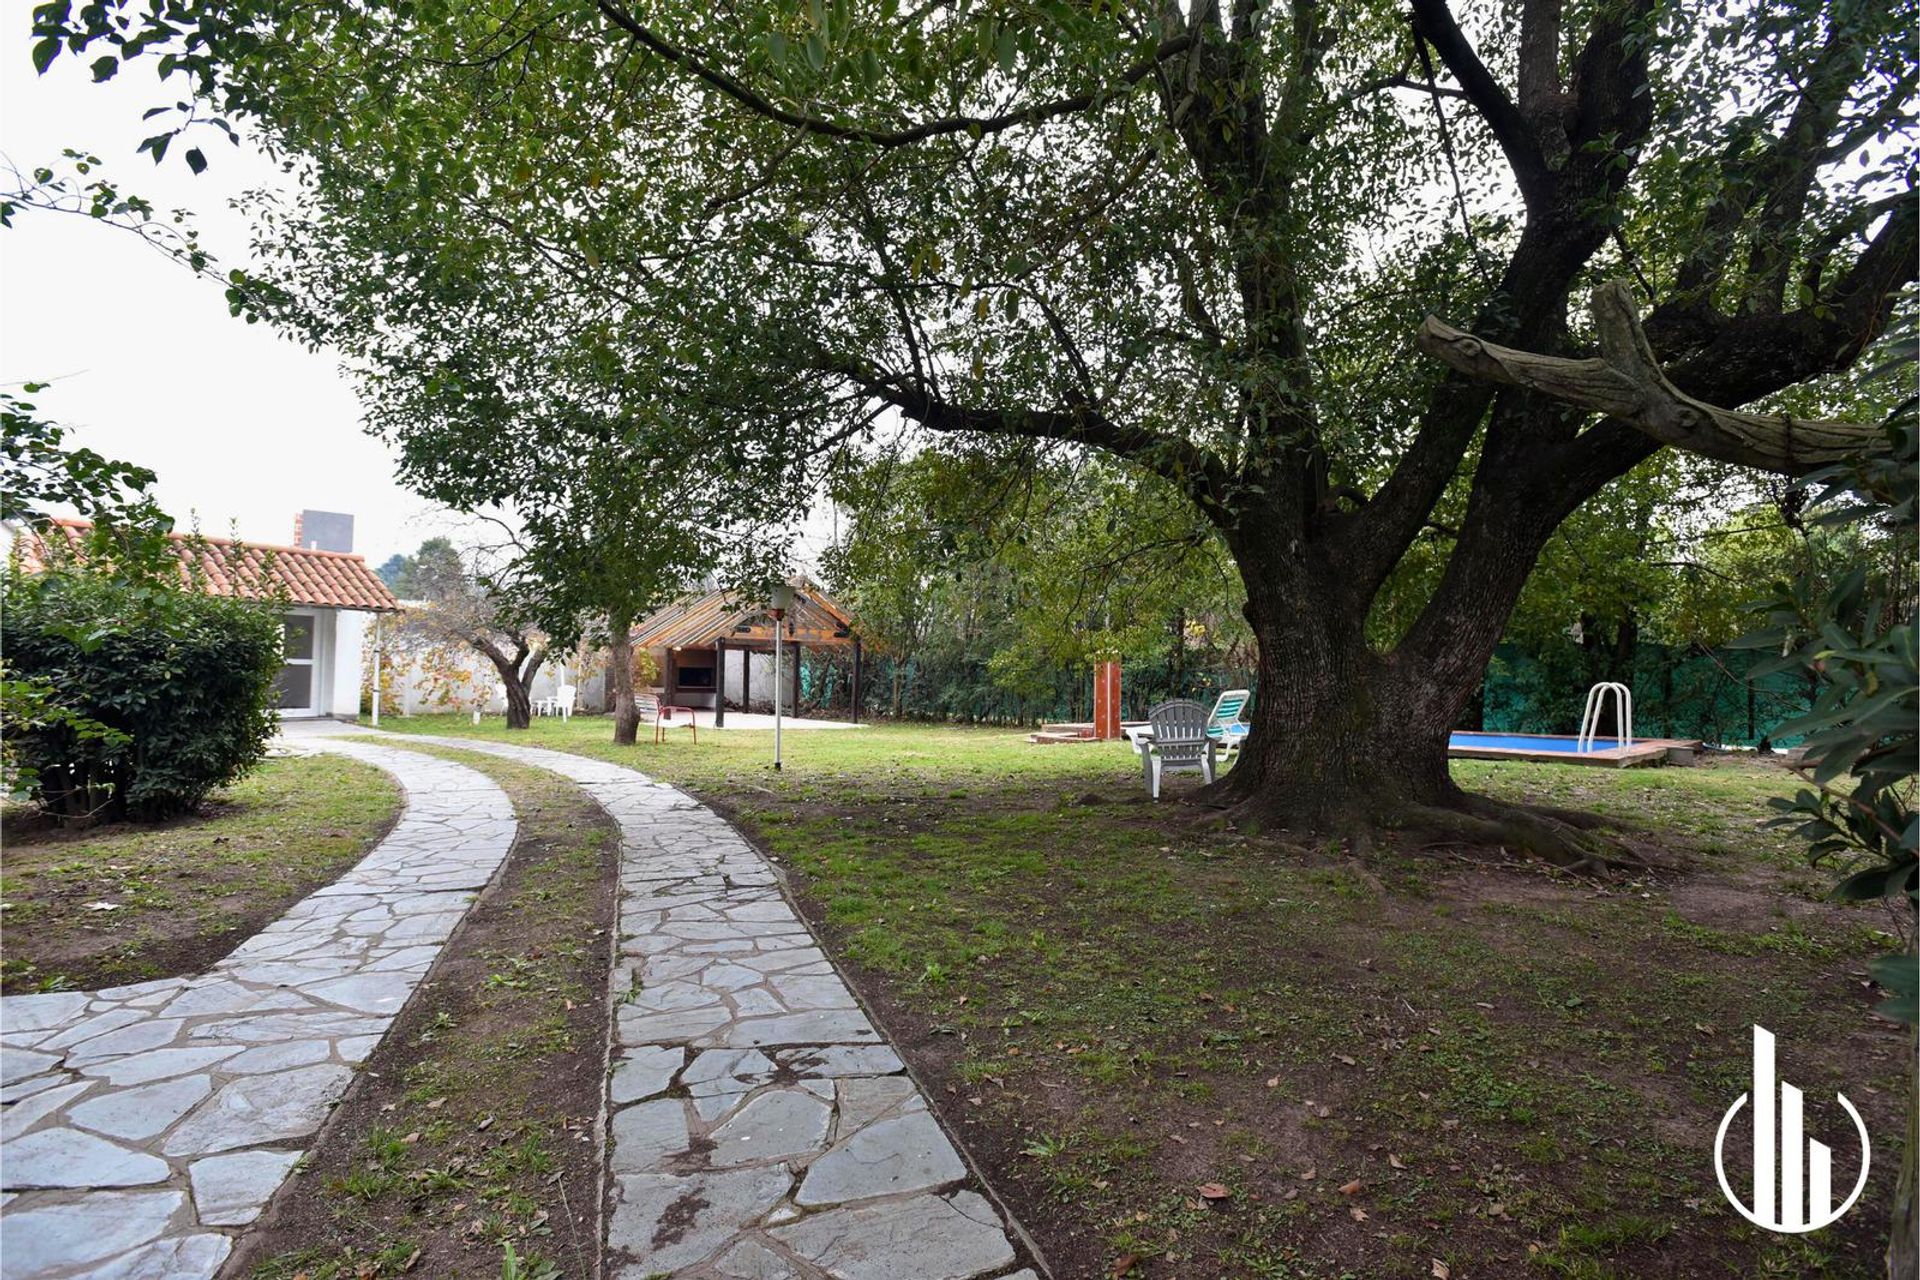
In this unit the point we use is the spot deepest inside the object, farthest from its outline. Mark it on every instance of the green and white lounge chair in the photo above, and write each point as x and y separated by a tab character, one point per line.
1227	722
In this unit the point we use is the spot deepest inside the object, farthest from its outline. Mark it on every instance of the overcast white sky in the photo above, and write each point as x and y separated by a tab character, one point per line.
243	427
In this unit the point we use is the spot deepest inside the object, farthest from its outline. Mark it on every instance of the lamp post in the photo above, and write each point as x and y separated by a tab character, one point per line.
782	600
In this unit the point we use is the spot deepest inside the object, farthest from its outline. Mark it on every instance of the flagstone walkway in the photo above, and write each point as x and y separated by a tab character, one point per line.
760	1127
143	1125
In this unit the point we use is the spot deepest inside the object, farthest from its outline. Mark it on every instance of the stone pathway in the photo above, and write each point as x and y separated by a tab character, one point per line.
142	1125
760	1127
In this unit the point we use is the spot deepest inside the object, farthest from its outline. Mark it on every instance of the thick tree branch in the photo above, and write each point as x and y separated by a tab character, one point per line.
1540	92
1433	22
1189	465
971	125
1626	382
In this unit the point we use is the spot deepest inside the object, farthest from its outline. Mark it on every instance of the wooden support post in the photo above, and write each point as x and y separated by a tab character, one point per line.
1106	700
720	683
856	679
794	702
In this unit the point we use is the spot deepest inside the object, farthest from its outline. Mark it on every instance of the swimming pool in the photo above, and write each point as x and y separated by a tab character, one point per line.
1564	748
1532	742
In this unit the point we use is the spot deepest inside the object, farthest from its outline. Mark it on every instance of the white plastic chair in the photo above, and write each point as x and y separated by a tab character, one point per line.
559	703
1180	741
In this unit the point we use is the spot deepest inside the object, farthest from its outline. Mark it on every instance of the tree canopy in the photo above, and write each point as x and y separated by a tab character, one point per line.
741	241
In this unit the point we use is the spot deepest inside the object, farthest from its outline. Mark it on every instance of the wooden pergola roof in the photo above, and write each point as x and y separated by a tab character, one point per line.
701	622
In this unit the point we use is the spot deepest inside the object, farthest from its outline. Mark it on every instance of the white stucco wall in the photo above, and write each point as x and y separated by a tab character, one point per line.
343	693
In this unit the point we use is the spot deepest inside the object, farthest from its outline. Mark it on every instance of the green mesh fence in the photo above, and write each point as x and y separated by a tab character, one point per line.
1677	692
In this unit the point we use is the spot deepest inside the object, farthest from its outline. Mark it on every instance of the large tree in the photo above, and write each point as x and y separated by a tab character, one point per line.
1196	237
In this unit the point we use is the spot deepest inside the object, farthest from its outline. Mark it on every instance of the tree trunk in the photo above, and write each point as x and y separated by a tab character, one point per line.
519	702
626	712
1351	742
516	674
1332	749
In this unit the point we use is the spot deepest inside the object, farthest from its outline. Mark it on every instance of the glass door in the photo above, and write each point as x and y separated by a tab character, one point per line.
296	655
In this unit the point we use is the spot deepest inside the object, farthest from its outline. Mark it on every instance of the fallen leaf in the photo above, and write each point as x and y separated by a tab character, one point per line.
411	1138
436	1104
1123	1264
1350	1188
1396	1161
1274	1083
1359	1214
1441	1271
1344	1058
1310	1174
484	1124
1214	1191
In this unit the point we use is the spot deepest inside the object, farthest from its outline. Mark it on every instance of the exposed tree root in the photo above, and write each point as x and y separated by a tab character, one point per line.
1569	842
1567	839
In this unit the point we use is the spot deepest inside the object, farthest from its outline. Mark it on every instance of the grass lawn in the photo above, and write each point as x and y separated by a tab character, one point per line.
111	904
1371	1069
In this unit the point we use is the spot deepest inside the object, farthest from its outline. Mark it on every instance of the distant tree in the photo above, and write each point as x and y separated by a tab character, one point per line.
1017	563
458	603
391	568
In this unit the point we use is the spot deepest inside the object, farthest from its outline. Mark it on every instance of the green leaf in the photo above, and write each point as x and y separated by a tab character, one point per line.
1899	977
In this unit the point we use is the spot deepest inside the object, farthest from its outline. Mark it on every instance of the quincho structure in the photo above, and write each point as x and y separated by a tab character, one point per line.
705	646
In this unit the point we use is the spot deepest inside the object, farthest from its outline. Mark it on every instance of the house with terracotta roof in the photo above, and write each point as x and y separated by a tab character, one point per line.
330	595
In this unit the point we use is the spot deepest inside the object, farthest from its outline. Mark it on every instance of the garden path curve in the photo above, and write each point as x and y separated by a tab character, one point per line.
143	1125
760	1127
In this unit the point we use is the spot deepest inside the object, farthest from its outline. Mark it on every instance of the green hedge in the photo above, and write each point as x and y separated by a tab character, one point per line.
183	684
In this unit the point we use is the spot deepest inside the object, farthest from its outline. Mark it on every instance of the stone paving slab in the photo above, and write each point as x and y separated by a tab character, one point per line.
760	1127
141	1126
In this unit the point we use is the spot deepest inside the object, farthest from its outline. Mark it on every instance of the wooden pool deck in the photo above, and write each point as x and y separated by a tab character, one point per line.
1641	751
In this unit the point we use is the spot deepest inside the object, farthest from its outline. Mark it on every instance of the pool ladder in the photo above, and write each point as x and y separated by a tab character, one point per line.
1596	706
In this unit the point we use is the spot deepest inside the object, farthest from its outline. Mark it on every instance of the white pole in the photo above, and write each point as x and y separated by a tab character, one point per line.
376	671
776	694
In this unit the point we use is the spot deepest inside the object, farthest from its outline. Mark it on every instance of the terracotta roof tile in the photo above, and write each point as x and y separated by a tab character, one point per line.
253	571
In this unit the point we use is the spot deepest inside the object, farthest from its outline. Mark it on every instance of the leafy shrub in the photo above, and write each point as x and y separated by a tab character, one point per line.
144	694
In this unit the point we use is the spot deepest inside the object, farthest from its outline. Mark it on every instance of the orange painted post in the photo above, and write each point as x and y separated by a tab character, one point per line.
1106	700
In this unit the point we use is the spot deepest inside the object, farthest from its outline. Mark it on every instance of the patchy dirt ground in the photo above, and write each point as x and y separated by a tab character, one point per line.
99	906
1182	1051
475	1126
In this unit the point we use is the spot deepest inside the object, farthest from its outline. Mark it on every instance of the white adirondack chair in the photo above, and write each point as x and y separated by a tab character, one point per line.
1180	741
